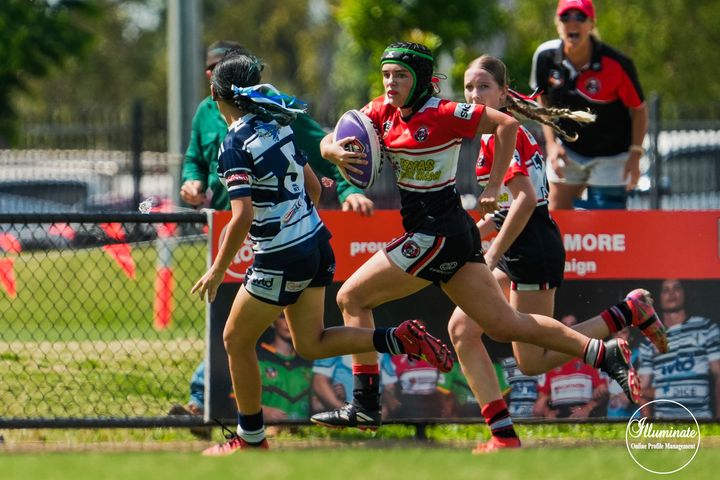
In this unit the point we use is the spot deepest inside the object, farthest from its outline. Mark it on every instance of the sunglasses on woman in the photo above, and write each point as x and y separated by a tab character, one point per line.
576	16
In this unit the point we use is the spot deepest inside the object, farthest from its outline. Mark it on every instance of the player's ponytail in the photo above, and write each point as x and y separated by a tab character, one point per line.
268	103
236	78
530	109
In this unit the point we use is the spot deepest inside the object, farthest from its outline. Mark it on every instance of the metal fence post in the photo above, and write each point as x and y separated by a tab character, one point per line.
421	432
136	147
655	159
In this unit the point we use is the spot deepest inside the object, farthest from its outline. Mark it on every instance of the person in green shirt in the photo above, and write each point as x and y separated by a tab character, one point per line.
459	400
199	172
286	377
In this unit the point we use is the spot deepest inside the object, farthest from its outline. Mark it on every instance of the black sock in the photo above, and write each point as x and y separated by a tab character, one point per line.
366	391
251	428
385	342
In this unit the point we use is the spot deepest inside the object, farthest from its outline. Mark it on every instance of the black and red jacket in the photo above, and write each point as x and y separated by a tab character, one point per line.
608	86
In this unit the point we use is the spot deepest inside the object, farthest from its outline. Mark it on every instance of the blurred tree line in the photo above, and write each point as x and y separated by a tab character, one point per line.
70	55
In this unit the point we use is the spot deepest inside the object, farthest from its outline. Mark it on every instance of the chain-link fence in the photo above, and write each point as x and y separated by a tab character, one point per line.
96	320
55	181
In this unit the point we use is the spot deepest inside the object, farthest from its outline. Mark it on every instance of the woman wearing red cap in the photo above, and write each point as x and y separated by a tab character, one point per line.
580	72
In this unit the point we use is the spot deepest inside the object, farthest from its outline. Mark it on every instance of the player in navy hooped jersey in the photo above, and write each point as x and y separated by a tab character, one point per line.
578	71
441	244
272	194
689	373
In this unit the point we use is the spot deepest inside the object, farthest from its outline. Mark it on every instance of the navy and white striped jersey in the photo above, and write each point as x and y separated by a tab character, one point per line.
261	160
683	374
523	389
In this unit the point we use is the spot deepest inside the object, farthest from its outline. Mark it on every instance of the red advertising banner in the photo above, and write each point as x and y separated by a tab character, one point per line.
598	244
243	258
640	244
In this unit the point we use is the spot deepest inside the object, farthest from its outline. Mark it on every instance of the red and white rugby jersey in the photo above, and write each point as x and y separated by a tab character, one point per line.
416	377
424	152
527	160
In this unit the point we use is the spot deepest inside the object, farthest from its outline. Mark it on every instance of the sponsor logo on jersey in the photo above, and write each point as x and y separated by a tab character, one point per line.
464	111
236	178
296	286
299	204
555	79
410	249
421	134
387	126
684	363
593	85
419	170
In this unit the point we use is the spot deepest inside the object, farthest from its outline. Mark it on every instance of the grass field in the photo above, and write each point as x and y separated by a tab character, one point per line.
78	341
351	462
553	452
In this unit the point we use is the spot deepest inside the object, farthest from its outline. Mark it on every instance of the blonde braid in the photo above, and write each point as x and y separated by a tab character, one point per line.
548	115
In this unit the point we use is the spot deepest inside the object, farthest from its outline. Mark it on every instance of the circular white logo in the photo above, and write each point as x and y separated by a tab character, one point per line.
663	447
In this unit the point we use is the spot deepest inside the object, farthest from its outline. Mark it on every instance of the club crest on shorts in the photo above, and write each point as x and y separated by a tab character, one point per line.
410	249
421	134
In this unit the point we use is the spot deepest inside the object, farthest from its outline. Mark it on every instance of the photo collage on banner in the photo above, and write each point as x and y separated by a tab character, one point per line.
674	255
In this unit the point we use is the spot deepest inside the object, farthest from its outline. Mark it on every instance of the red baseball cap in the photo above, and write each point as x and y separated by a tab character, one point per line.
585	6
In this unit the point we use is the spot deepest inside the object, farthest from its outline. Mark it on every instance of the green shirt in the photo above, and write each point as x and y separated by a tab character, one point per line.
208	131
455	382
285	382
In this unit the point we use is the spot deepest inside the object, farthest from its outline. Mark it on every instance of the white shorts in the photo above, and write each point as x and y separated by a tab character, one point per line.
596	171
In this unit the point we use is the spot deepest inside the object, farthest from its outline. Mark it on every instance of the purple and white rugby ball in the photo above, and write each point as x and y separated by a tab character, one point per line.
356	124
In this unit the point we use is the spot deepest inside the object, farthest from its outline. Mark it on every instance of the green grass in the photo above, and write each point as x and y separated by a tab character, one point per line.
78	341
349	463
553	451
118	378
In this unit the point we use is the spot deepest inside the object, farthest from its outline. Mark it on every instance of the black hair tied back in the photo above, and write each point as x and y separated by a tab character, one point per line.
236	68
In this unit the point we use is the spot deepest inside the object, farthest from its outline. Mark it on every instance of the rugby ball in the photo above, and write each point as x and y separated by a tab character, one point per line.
356	124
